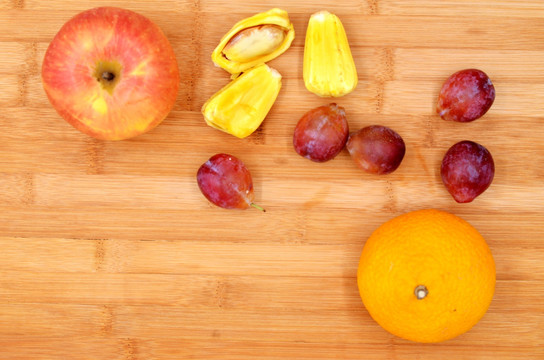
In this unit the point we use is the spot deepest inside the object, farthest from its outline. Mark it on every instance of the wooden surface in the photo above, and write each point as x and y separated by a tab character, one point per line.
109	251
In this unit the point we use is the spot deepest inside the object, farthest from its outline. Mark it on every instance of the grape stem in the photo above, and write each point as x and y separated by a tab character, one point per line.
257	207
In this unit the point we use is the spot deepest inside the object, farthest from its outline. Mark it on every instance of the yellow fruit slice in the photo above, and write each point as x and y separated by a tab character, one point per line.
328	69
241	106
254	40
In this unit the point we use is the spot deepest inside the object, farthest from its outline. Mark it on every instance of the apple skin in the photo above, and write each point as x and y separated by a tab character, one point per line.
111	73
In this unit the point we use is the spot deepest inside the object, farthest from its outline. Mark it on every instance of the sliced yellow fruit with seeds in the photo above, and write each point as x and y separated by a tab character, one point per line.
254	40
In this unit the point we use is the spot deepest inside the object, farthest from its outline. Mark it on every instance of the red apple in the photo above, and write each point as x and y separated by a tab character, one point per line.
111	73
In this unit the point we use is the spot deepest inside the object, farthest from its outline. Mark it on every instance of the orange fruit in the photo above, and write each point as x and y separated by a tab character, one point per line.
426	276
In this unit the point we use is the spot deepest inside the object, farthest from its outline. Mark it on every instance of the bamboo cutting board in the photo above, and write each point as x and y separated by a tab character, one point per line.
109	251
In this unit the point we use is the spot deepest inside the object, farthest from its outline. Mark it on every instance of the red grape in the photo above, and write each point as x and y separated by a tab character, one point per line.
321	133
376	149
465	96
467	170
226	182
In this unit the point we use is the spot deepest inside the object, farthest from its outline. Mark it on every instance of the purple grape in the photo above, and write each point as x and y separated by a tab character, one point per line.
321	133
376	149
465	96
467	170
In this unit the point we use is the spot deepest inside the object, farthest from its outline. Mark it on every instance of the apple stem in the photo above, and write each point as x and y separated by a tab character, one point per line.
108	76
257	207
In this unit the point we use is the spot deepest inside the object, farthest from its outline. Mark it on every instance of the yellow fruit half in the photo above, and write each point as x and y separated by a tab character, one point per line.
426	276
241	106
328	69
254	40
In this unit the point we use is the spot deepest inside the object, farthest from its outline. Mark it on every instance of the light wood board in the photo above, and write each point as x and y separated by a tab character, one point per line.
109	250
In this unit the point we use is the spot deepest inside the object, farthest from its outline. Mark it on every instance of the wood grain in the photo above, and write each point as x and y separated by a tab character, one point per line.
109	251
